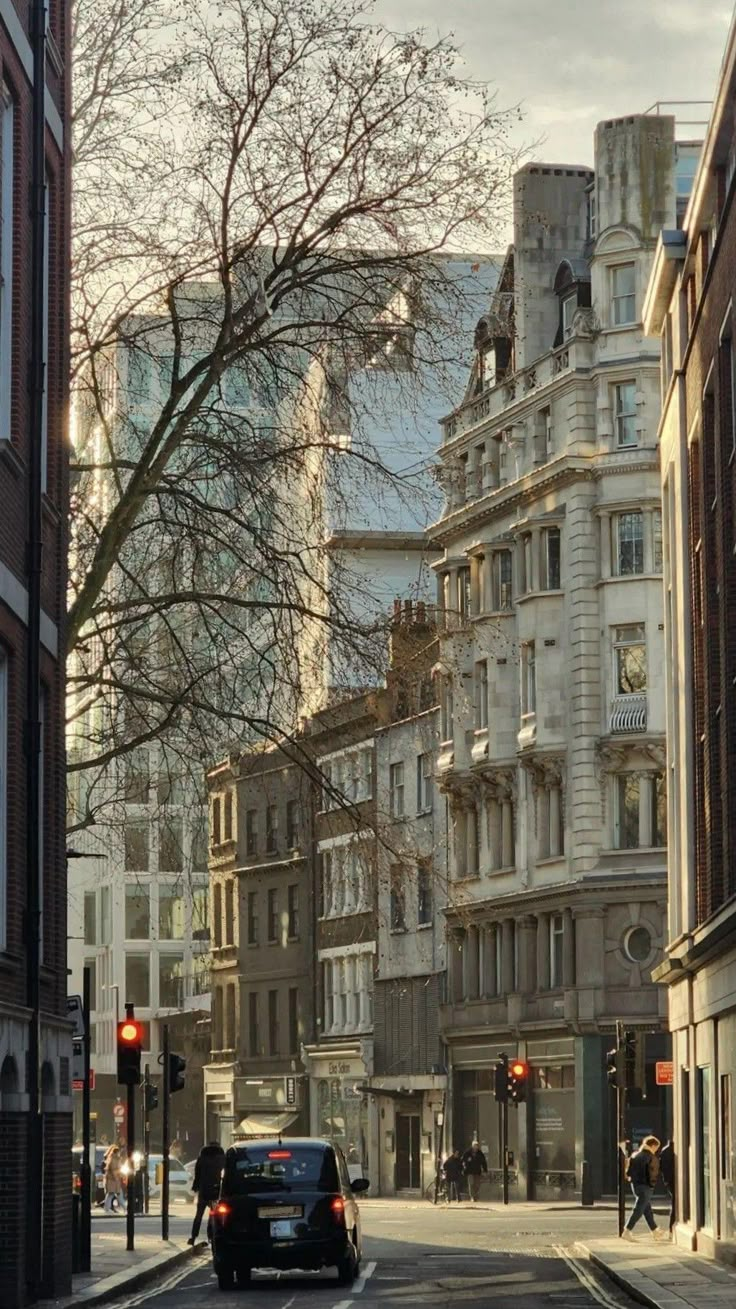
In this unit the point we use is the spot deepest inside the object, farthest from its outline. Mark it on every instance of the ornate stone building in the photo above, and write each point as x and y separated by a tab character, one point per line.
552	751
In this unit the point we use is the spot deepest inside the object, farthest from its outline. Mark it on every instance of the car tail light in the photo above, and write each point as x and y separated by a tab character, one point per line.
222	1210
337	1206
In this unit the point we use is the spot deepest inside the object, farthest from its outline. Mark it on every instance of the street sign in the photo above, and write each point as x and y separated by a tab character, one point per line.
291	1090
664	1071
78	1084
118	1114
75	1014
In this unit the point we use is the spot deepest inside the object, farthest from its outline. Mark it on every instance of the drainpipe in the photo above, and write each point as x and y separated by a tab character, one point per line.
33	1181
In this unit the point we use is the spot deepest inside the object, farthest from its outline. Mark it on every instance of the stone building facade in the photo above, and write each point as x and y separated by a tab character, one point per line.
552	736
35	1216
690	311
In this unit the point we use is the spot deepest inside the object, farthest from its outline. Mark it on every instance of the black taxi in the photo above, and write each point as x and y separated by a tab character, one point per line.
286	1204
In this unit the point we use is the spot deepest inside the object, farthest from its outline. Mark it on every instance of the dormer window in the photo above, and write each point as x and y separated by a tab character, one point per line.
569	305
572	288
623	295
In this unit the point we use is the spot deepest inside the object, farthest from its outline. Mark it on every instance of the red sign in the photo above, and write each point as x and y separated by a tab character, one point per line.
118	1113
664	1071
78	1082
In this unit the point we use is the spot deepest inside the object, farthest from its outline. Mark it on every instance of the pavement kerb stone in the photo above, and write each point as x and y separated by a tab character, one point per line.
125	1281
635	1283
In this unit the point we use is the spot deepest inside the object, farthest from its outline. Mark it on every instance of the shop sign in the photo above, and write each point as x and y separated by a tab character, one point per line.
343	1068
664	1072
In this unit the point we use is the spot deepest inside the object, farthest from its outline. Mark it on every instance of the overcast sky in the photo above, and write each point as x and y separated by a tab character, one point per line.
575	62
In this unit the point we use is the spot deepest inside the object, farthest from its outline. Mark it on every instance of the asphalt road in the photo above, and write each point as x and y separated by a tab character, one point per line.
414	1254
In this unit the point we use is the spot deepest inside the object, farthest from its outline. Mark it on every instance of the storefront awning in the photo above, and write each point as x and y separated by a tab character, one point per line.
256	1125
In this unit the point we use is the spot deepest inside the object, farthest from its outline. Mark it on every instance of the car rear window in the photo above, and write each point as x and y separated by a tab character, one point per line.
280	1168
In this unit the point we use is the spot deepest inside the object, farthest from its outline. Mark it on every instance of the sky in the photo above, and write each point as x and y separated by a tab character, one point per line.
571	63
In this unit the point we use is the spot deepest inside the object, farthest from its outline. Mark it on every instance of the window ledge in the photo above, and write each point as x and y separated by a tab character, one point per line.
551	859
539	595
629	577
493	613
424	927
634	850
397	931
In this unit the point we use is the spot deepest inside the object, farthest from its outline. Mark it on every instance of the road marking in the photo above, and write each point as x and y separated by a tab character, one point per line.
584	1277
160	1288
289	1302
342	1304
359	1284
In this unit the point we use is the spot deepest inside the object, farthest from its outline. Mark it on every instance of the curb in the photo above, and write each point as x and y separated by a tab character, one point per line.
669	1298
125	1281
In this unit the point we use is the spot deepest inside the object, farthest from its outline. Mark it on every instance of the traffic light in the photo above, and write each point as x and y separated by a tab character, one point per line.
518	1081
130	1046
151	1097
615	1068
632	1069
177	1069
501	1079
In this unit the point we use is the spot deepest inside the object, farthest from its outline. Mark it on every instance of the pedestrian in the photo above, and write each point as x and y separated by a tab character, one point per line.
667	1166
113	1169
474	1165
453	1171
206	1184
642	1172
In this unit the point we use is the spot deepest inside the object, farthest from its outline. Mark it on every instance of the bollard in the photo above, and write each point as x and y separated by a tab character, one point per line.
586	1185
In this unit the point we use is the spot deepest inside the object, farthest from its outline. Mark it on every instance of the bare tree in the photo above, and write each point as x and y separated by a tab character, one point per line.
270	199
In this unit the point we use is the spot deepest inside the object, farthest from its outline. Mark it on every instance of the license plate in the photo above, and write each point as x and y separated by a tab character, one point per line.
279	1211
282	1229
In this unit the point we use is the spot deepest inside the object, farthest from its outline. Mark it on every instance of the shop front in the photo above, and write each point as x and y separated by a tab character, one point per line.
410	1117
340	1103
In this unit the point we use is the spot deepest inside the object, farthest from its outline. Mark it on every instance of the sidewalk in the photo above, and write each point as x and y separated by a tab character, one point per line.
117	1271
663	1276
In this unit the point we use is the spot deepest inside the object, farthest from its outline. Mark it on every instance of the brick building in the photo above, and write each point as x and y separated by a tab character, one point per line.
690	306
35	1247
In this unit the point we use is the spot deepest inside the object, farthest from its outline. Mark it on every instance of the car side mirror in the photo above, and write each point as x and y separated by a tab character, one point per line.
360	1184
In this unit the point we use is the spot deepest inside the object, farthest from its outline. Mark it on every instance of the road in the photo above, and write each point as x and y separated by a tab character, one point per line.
414	1254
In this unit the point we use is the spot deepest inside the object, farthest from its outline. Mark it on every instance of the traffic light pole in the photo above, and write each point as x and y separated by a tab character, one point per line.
87	1172
130	1205
165	1133
146	1138
505	1148
620	1137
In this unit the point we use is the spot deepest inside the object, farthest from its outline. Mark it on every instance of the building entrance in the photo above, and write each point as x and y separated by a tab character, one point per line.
408	1152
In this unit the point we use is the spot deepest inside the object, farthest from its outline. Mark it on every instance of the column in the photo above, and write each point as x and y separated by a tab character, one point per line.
494	835
555	820
568	949
605	545
472	971
507	955
336	965
507	834
489	959
542	952
353	980
648	542
486	584
646	805
526	929
476	566
536	556
471	832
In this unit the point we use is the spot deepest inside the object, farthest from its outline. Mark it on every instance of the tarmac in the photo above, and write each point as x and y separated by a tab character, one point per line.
115	1270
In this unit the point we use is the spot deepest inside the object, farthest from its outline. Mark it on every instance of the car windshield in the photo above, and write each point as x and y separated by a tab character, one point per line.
281	1168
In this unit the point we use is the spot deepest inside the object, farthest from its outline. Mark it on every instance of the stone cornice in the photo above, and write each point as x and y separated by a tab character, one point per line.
560	472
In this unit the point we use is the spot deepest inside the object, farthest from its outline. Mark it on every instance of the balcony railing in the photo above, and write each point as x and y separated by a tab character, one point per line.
628	714
479	409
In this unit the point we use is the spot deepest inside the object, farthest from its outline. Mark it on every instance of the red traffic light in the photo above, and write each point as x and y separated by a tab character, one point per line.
130	1032
519	1070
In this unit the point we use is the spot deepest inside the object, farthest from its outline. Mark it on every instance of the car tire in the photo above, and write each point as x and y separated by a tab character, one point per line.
347	1268
225	1278
242	1275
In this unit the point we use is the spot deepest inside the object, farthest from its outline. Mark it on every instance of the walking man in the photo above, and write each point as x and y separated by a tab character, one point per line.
453	1170
667	1171
474	1165
207	1174
643	1172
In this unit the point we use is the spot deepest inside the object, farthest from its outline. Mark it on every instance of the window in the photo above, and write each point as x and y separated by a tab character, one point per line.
629	543
569	305
424	783
90	918
463	591
217	1018
200	913
627	811
624	410
230	1022
424	895
217	913
293	912
170	981
640	811
170	913
637	944
230	912
528	678
252	918
526	552
92	965
447	709
273	1022
502	565
136	847
659	811
397	901
105	915
273	916
136	777
7	201
329	996
630	655
272	828
396	790
138	980
292	824
198	848
251	832
293	1020
254	1044
216	821
623	297
551	558
657	557
137	912
727	1152
591	215
228	816
327	888
556	949
170	845
481	694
